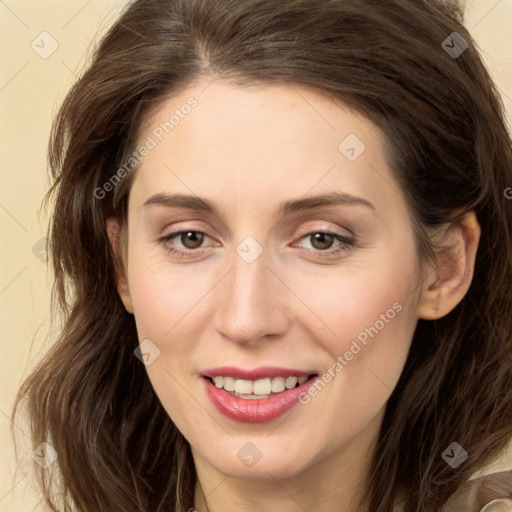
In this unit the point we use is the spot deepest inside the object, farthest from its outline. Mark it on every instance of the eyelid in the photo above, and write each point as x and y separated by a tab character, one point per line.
324	229
177	233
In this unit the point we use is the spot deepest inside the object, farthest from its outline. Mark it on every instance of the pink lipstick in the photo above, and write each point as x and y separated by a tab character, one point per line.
256	395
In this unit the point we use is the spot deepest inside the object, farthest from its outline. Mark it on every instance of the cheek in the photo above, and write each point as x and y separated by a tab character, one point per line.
365	302
371	318
166	307
164	298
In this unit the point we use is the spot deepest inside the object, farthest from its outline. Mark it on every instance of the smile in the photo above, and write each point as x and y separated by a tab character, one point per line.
259	399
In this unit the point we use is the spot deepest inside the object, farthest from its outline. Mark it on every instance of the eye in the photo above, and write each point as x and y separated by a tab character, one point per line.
322	242
191	240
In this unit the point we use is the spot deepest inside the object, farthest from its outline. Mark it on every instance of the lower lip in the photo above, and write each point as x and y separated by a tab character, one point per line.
258	410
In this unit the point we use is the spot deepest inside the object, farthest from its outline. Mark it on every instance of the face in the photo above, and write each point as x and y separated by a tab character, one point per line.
293	256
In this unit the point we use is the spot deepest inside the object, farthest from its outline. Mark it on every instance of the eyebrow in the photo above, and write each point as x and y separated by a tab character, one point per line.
334	198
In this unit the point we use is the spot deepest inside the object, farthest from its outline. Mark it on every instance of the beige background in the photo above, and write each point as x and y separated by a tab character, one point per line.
31	87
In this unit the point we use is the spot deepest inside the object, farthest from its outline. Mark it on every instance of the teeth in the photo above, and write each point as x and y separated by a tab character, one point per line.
228	384
277	384
291	382
261	388
243	387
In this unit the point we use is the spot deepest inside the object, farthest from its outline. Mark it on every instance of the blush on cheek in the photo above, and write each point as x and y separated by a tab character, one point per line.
379	339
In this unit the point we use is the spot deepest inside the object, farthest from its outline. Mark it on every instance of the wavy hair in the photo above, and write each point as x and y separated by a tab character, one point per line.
448	144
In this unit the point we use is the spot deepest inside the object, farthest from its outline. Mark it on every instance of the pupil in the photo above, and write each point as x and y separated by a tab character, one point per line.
194	237
320	237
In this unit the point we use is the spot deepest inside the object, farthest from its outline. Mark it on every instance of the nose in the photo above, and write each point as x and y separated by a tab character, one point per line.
253	302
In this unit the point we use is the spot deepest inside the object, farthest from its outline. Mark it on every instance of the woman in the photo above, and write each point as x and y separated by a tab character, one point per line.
215	162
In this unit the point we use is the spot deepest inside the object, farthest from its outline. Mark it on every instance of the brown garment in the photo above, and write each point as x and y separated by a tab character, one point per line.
489	493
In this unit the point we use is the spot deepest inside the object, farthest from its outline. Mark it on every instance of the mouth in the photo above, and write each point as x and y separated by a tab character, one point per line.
256	400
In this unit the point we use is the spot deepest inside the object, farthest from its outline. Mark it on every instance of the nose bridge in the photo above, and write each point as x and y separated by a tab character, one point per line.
250	301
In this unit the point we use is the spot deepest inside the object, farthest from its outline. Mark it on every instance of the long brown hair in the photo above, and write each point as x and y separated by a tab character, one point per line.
91	399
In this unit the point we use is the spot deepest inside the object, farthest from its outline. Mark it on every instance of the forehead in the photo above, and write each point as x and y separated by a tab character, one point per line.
218	138
256	114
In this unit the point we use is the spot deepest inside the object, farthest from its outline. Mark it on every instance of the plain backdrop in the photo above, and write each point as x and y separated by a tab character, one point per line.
43	45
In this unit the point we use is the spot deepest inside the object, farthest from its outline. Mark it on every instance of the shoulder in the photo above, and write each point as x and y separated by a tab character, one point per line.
488	490
489	493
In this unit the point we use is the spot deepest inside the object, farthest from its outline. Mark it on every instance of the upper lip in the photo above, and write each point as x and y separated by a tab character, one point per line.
261	372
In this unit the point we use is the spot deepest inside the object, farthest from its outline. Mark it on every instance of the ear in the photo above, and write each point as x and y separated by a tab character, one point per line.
450	278
114	235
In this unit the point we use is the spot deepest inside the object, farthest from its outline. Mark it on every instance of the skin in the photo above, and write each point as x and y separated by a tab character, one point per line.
247	150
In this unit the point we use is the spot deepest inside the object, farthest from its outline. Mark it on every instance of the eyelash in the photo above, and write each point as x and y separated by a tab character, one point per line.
346	243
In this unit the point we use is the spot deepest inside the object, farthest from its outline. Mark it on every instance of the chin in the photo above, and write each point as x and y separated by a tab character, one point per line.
258	459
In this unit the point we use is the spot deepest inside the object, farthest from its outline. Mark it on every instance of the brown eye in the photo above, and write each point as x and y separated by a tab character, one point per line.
321	241
185	242
191	239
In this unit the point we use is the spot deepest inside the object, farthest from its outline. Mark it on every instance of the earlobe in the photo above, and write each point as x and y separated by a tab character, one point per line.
114	235
449	280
